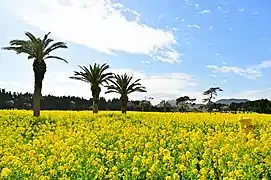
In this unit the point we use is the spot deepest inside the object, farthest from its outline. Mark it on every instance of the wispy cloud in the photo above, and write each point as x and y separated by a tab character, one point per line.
252	72
210	28
197	6
244	72
254	13
241	10
193	26
146	62
264	65
160	17
99	24
186	2
204	11
255	94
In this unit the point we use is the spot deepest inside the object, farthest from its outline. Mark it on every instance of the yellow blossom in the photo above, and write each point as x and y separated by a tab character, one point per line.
5	172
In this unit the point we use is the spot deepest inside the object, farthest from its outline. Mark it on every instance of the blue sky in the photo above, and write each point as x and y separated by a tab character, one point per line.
177	47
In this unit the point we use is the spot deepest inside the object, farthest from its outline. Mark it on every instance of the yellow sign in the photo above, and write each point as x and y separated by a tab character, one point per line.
245	124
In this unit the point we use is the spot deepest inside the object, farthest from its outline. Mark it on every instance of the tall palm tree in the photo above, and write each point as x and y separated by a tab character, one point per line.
39	50
95	76
123	85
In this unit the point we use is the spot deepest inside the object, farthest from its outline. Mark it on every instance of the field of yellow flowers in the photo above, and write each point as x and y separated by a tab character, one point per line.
109	145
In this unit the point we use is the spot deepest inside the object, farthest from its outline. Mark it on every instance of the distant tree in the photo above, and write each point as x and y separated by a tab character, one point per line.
183	102
131	106
9	104
210	93
123	85
166	105
94	75
39	50
145	105
72	105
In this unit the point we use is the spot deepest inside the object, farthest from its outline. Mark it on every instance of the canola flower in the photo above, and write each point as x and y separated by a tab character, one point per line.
109	145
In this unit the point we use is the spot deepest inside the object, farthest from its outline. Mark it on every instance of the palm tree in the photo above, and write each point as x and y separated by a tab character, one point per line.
39	50
123	85
95	76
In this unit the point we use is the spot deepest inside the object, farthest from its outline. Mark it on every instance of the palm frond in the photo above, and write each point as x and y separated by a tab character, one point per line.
18	42
104	67
36	48
46	37
31	36
79	78
46	43
57	45
56	57
93	75
122	84
111	91
115	85
18	50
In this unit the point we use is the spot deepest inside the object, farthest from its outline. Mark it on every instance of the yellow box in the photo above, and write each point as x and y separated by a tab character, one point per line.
245	124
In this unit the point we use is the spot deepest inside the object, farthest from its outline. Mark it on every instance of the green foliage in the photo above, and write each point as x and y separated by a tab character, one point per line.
36	48
94	75
39	50
210	93
123	85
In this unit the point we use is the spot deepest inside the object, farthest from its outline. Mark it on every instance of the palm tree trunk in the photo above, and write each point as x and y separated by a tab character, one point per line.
36	99
95	105
123	108
96	96
124	101
39	68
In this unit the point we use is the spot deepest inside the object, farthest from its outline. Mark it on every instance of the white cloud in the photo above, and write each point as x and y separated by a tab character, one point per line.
204	11
210	43
241	10
193	26
160	17
186	2
255	94
159	86
264	64
255	13
211	27
197	6
99	24
146	62
244	72
252	72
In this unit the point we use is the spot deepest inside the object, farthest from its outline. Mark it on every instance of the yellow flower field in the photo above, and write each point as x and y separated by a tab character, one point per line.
109	145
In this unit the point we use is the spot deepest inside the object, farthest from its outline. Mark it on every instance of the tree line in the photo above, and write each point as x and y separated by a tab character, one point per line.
14	100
